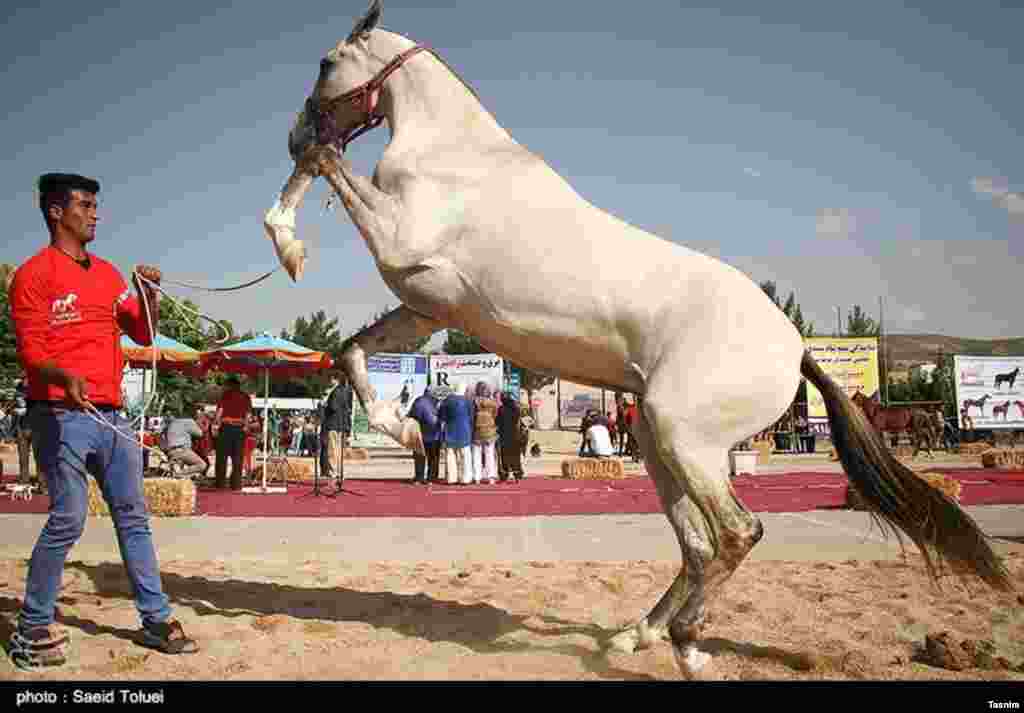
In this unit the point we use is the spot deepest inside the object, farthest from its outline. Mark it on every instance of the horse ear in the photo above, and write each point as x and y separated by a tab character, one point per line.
367	22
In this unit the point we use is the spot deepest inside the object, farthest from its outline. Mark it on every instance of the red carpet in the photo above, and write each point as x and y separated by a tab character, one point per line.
789	492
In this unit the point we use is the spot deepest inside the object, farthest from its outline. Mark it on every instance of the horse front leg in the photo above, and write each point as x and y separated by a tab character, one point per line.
390	333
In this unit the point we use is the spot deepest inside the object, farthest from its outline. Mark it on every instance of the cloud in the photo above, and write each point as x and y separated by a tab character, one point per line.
753	172
999	190
836	223
910	315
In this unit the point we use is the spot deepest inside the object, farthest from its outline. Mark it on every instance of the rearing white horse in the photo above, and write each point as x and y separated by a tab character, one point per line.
472	231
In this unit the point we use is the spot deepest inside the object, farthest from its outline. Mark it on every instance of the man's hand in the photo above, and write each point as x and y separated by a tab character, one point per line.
148	272
74	386
76	391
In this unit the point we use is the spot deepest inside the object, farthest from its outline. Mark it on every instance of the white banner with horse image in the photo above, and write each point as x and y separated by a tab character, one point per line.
852	362
991	390
395	377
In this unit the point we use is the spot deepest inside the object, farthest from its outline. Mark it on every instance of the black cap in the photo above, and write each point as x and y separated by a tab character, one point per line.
59	182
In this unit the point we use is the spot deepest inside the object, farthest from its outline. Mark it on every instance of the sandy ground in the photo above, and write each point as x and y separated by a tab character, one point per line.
519	621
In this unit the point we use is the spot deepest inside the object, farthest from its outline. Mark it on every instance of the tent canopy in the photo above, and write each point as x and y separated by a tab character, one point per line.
254	356
169	353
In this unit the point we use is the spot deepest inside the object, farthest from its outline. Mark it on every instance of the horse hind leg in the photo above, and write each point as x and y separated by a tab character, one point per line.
714	530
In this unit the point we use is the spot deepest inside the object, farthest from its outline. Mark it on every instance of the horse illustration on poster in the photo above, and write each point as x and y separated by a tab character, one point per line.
461	221
1009	378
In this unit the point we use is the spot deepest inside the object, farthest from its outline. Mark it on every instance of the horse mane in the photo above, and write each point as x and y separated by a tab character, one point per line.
437	56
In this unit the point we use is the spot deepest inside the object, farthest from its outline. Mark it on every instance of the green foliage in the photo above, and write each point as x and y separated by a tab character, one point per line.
457	342
791	308
9	366
860	324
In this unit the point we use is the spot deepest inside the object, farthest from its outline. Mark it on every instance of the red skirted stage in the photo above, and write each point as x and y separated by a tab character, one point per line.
789	492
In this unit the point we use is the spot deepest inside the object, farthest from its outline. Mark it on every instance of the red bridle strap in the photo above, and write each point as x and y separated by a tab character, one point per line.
362	98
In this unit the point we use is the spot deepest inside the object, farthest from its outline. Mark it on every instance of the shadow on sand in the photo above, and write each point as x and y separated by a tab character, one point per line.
479	627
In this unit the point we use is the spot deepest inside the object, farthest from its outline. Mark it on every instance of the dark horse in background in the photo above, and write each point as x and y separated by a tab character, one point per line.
918	425
1009	377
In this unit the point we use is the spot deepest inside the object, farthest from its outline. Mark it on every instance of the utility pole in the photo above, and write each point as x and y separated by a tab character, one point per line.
883	364
839	322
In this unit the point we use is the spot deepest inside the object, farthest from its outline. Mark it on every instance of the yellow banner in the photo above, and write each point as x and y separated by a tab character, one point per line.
852	362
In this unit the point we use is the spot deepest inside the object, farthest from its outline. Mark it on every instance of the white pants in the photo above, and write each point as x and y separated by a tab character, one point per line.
485	465
463	465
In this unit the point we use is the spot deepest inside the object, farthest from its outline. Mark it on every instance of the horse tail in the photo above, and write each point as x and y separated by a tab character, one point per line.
896	497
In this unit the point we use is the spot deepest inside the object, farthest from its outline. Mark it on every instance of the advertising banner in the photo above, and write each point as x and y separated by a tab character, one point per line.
396	377
852	362
469	369
991	389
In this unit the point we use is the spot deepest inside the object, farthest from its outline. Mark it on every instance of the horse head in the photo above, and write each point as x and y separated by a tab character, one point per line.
346	100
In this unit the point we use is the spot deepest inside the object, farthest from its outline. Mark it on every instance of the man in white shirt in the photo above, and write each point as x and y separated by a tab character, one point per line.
598	440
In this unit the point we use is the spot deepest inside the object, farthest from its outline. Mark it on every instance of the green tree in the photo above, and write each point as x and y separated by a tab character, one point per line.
9	365
860	324
457	342
180	393
791	308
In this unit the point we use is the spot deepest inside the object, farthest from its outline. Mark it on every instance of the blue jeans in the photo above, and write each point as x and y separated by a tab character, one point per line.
71	446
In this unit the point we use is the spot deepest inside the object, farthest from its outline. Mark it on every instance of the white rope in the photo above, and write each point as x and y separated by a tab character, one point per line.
95	414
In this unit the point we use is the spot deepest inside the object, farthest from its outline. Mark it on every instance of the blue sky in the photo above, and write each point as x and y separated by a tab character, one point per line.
845	150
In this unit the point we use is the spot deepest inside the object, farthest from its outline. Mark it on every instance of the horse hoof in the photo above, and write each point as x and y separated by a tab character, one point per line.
633	639
693	664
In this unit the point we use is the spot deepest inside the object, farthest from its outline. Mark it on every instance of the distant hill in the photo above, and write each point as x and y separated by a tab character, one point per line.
907	349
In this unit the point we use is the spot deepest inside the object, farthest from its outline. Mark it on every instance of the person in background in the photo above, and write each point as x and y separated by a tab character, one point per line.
178	445
485	435
335	425
69	308
457	413
630	416
204	444
424	411
23	437
598	441
613	428
233	410
509	425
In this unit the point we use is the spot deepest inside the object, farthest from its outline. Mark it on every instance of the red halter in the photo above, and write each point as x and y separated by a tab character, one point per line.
362	98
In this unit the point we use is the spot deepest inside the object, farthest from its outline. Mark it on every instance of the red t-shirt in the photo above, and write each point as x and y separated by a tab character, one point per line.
234	406
74	317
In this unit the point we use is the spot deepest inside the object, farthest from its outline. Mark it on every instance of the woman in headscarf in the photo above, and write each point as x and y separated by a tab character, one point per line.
509	424
485	435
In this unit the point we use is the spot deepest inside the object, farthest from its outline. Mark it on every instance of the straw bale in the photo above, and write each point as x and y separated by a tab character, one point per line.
950	486
593	469
1003	458
764	452
165	497
8	447
973	449
357	454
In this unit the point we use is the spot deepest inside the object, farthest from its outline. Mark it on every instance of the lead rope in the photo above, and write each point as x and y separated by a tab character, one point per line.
95	414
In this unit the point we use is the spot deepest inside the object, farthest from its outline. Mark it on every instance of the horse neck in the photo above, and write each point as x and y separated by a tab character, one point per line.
426	103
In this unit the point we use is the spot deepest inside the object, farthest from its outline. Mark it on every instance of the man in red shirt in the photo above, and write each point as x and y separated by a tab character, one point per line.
69	309
232	411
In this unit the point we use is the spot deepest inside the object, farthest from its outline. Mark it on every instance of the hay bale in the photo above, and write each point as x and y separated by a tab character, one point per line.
593	469
1003	458
8	447
165	497
357	454
951	487
973	449
764	452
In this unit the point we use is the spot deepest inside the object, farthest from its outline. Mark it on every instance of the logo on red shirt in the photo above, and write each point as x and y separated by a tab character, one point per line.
64	310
